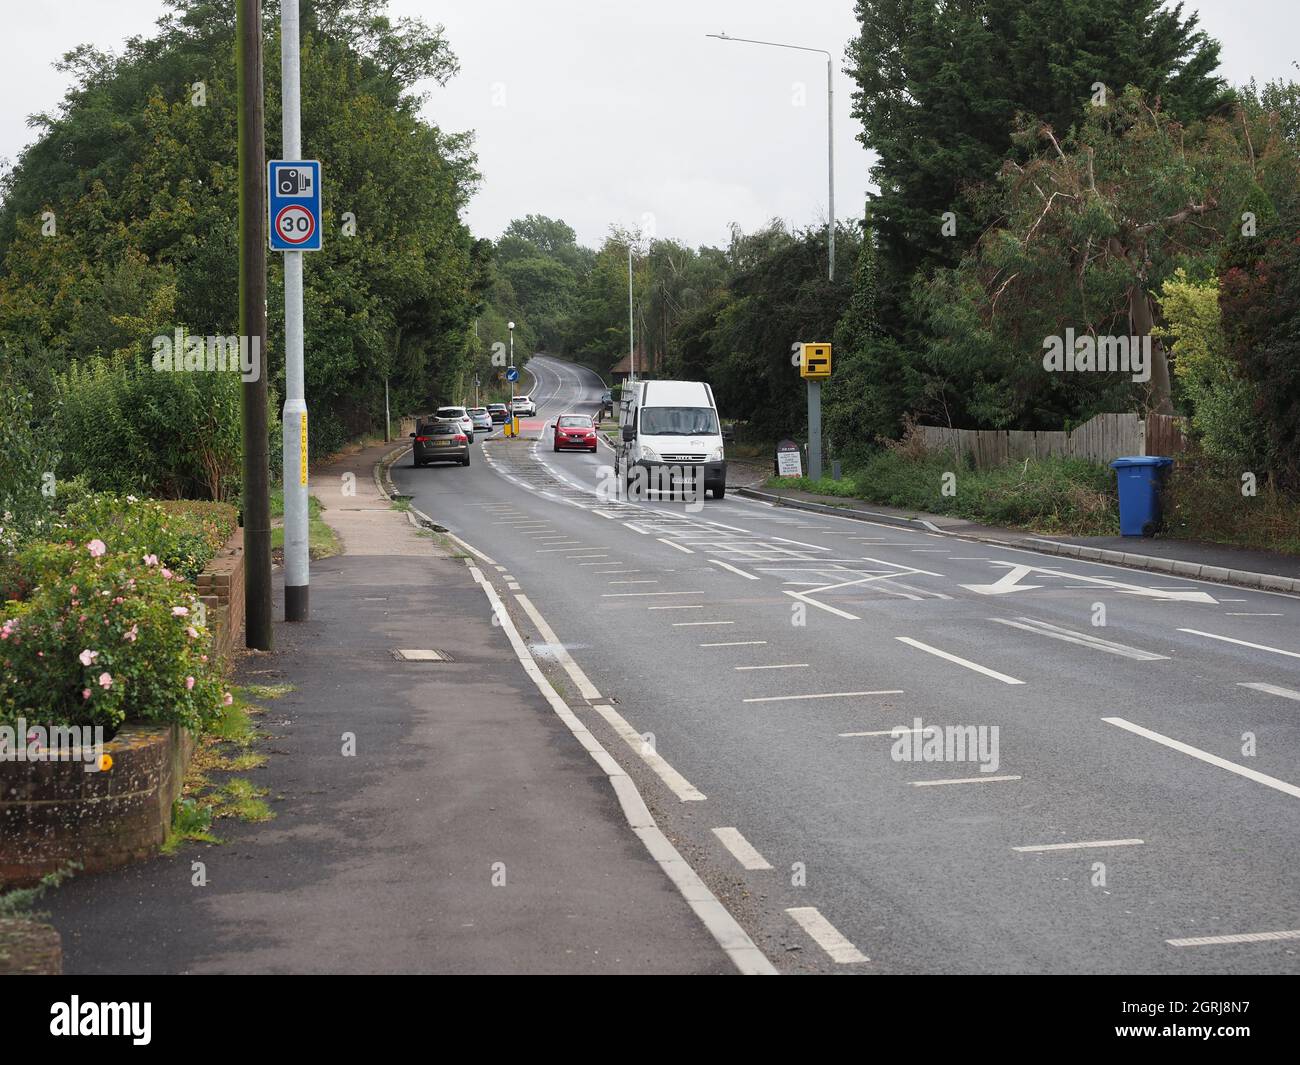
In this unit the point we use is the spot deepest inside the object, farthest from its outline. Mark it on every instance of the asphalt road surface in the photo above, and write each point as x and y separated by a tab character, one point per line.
1115	780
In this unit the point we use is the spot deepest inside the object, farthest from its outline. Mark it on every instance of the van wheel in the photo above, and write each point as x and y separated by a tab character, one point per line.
719	490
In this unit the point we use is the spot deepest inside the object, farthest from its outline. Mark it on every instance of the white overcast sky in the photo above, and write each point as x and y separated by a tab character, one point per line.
601	112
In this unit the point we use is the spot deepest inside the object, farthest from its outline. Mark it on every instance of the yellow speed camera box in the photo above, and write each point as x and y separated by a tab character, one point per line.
815	360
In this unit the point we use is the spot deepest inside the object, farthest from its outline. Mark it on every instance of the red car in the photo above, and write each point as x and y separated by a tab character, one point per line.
575	431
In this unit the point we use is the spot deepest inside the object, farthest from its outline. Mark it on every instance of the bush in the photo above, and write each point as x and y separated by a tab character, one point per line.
104	638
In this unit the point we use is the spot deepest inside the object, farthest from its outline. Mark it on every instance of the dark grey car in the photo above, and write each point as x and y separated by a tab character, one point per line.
439	441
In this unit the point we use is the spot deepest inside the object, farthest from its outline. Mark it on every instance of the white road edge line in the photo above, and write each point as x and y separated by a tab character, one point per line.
826	935
585	688
959	661
676	783
741	849
1206	756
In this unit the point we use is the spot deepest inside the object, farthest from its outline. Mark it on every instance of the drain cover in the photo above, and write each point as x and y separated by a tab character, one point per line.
431	654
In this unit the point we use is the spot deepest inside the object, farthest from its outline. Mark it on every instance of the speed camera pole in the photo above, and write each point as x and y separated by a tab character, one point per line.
296	559
252	324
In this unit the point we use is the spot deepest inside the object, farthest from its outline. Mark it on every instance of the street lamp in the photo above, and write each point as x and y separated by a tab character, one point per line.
830	129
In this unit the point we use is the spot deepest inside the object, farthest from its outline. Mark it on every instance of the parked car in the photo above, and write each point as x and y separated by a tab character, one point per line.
575	432
499	412
441	440
524	405
481	418
461	415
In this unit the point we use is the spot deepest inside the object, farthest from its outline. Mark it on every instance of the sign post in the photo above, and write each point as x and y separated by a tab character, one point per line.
815	367
294	212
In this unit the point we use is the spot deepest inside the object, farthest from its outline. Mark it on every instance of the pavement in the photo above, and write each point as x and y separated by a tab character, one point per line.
1135	808
471	832
1249	568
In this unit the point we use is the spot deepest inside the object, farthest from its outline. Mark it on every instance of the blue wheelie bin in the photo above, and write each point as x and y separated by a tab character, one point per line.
1140	478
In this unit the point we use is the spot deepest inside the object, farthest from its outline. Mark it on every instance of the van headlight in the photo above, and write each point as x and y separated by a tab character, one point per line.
716	454
649	454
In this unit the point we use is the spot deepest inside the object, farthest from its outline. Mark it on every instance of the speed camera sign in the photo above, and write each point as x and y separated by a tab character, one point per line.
293	202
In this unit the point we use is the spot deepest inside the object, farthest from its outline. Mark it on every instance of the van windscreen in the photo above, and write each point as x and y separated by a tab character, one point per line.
678	421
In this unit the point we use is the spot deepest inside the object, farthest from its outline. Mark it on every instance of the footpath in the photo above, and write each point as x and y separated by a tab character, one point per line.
470	832
1267	570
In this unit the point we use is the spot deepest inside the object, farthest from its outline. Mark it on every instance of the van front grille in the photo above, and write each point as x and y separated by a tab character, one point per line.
683	458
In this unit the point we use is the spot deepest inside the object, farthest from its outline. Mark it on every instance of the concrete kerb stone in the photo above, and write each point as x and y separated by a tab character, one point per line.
1128	559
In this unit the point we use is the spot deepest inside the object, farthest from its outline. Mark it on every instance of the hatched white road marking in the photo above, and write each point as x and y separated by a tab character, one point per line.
1206	756
826	935
685	550
741	849
1057	632
959	661
727	565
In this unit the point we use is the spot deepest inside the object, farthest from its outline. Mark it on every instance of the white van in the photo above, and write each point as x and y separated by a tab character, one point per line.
670	429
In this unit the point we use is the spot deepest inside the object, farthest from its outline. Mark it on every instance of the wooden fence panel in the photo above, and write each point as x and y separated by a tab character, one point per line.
1100	439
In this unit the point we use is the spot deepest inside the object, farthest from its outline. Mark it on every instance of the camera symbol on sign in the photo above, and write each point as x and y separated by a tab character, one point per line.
293	181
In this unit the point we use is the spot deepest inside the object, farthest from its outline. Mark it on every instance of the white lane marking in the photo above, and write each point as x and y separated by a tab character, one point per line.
724	928
728	565
959	780
630	595
684	624
1006	584
829	609
684	550
1250	614
1079	846
959	661
826	935
675	782
644	580
1243	643
786	665
907	570
610	564
735	643
585	688
1119	586
897	730
1058	632
512	586
694	606
815	547
552	550
1272	689
819	695
741	849
586	555
1241	937
1206	756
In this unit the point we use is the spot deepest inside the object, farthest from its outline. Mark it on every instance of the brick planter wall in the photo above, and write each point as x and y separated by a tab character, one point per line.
221	588
52	813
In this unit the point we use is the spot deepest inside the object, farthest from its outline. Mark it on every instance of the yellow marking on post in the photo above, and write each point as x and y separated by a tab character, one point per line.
302	458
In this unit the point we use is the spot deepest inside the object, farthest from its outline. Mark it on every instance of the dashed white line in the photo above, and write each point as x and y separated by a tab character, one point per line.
1241	937
959	661
741	849
959	780
819	695
826	935
630	595
785	665
1032	848
1243	643
1206	756
684	624
897	730
735	643
1272	689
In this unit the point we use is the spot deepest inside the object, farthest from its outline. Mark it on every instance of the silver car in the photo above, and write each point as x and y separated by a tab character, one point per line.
482	419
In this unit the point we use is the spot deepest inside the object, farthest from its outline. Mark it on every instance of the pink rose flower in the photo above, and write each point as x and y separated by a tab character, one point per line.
167	574
106	680
85	693
131	633
194	633
96	548
88	656
189	683
227	699
180	611
151	560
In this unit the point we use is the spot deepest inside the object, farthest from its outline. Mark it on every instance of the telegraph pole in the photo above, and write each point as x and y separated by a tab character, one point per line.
252	324
294	421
